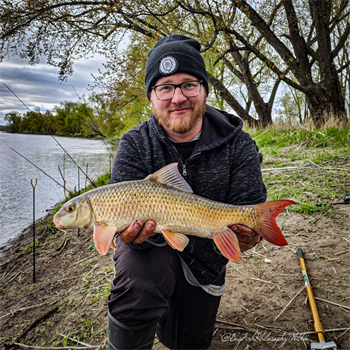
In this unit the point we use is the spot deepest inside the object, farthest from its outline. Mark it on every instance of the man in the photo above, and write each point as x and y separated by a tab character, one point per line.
156	288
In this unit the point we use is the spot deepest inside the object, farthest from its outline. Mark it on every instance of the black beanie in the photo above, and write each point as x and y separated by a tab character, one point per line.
175	54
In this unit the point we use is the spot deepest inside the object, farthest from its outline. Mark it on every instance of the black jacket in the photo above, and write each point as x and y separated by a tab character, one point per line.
224	166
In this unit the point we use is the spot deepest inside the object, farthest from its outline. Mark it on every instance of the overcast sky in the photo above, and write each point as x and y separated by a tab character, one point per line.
38	86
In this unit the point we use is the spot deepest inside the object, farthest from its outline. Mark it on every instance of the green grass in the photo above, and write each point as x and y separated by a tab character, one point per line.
101	181
323	160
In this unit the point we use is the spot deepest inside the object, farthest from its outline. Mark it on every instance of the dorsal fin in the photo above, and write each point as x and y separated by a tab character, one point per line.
170	176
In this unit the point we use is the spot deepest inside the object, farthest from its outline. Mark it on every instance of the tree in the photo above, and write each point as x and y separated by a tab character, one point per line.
35	122
257	42
63	112
293	109
107	119
14	121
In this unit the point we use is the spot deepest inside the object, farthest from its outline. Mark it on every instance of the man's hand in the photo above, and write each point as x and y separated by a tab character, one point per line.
247	237
138	232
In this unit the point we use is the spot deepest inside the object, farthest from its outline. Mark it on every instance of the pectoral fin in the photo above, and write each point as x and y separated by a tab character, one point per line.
103	236
228	245
177	241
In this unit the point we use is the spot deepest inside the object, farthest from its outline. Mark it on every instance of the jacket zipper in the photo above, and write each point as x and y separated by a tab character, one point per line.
184	170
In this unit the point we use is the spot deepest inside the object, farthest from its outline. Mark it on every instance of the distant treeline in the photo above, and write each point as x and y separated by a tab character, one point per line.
89	117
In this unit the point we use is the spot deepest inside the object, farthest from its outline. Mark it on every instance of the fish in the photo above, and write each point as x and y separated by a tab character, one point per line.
166	198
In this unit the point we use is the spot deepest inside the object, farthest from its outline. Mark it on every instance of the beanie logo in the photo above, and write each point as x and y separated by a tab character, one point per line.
168	65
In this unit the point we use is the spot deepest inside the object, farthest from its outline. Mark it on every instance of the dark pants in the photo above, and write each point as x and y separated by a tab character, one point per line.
149	288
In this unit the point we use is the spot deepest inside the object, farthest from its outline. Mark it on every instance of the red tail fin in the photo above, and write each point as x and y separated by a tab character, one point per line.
266	221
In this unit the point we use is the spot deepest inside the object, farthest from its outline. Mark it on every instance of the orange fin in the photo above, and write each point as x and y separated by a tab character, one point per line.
228	244
112	245
266	221
170	176
103	236
177	241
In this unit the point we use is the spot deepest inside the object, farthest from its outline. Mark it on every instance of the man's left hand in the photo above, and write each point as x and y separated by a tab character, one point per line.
247	237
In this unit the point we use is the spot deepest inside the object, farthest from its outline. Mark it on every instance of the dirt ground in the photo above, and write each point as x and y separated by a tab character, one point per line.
264	307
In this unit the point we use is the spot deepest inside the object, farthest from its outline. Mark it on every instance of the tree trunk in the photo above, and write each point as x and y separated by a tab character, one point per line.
232	102
327	103
325	98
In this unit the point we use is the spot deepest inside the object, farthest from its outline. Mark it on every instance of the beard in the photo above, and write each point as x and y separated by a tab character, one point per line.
183	124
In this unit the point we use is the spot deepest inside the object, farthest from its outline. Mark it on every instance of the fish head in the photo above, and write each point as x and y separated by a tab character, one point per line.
77	213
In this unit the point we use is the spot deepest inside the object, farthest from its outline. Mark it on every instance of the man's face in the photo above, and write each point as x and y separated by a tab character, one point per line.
181	114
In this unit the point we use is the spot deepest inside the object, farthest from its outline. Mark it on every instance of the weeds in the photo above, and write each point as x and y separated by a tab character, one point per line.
323	160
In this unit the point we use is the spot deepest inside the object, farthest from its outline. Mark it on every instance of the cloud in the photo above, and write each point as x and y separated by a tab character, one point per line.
38	86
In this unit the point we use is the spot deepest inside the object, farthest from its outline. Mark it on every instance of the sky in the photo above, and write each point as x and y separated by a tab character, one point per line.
38	86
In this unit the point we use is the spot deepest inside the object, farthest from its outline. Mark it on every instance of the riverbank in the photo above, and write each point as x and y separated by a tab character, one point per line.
68	299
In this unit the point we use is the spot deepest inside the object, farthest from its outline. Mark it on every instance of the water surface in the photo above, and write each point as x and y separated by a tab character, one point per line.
16	192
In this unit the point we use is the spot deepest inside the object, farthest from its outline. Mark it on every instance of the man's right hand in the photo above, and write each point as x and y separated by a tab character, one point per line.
138	232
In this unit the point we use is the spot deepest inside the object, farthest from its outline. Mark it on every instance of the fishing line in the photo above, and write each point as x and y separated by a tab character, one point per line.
52	137
96	128
41	170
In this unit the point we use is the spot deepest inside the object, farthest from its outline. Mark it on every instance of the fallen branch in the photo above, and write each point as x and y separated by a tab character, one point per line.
345	251
15	275
7	273
258	279
68	278
62	246
289	303
24	308
238	326
31	326
77	341
330	302
327	331
82	260
271	328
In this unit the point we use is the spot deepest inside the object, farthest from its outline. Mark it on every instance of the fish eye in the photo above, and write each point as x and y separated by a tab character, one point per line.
71	208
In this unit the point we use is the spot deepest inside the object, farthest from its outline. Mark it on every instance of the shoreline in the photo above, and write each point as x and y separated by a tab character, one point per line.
89	137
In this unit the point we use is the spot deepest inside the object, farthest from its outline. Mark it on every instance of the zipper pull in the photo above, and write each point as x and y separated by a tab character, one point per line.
184	172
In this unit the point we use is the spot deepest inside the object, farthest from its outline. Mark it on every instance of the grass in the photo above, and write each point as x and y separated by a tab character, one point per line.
323	160
101	181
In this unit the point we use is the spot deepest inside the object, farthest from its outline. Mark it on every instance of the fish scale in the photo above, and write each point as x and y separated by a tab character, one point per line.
179	211
166	198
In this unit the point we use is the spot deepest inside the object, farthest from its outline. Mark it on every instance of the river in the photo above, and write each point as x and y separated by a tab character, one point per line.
16	173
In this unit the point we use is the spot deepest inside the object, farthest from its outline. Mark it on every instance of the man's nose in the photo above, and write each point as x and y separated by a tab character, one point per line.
178	97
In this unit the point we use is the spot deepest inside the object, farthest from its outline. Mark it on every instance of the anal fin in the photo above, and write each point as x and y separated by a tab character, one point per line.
177	241
228	244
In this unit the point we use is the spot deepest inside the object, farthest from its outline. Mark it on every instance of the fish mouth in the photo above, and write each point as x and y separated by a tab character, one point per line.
58	224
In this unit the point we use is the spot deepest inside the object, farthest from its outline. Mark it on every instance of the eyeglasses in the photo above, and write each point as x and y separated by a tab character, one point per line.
167	91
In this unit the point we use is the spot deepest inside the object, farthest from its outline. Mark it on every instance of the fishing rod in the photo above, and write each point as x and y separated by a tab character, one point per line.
52	137
41	170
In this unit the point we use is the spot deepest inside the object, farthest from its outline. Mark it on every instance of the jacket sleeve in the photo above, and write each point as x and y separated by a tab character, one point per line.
246	183
128	166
